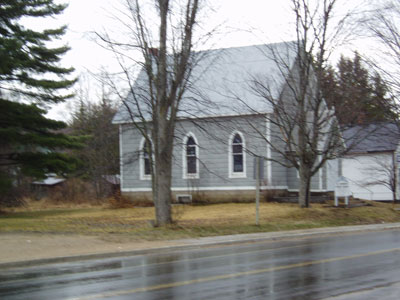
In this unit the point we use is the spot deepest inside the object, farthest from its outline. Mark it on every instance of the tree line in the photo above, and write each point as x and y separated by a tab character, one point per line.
358	93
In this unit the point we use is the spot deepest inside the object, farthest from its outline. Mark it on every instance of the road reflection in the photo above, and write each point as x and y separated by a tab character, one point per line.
312	268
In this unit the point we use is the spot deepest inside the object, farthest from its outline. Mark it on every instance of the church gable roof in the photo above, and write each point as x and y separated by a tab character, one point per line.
220	83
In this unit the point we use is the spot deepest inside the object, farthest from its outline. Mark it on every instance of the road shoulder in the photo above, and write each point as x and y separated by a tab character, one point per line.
24	249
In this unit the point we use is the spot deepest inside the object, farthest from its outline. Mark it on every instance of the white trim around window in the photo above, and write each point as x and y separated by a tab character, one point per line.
143	176
185	174
232	173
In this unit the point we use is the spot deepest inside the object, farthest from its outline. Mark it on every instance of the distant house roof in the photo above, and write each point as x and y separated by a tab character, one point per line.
49	181
380	137
220	83
112	179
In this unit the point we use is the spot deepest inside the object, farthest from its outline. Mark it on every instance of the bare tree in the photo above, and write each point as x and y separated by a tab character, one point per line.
383	173
92	120
303	130
159	41
384	24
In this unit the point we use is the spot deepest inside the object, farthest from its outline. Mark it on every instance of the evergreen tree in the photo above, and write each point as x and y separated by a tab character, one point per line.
382	105
329	84
100	155
30	72
27	63
357	96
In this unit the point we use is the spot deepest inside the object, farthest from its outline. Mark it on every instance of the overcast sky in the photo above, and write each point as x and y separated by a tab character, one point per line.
245	23
85	16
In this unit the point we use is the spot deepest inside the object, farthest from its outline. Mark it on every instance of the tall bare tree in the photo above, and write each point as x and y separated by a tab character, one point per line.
384	24
160	41
303	130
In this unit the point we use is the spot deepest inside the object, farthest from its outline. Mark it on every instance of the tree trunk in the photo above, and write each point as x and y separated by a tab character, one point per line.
162	131
162	193
394	184
162	172
308	193
304	188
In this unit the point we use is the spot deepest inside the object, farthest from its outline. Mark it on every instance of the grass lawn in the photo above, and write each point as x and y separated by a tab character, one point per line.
190	221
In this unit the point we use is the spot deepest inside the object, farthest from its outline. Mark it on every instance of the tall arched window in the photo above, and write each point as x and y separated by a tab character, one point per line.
237	156
190	157
146	158
145	162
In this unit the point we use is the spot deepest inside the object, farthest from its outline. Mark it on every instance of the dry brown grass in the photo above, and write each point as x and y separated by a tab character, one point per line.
191	221
48	203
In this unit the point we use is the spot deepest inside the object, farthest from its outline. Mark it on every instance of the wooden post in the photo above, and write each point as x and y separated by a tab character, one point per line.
257	190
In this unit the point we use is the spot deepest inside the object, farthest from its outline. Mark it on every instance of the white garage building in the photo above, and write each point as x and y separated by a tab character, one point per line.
372	164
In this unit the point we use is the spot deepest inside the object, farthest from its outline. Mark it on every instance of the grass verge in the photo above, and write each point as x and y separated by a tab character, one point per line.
191	221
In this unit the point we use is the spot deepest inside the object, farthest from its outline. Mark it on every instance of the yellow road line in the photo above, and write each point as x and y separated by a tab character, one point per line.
229	276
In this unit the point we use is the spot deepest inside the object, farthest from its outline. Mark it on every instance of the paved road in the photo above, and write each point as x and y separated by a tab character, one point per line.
351	266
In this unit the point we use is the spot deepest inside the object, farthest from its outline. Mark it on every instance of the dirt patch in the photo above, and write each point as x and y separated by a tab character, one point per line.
21	247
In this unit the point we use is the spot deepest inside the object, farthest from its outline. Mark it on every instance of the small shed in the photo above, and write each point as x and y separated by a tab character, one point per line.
114	182
43	188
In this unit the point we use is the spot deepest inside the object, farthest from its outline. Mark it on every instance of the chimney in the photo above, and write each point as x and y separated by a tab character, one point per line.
153	52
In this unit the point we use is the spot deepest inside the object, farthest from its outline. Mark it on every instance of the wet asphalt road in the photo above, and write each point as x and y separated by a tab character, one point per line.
351	266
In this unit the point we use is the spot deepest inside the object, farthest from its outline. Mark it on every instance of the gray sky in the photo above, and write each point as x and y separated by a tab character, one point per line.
85	16
245	23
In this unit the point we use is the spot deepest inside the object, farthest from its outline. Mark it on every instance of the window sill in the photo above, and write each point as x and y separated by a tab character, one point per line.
238	175
191	176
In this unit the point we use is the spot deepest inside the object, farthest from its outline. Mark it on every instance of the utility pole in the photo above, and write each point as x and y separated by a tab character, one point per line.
257	166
